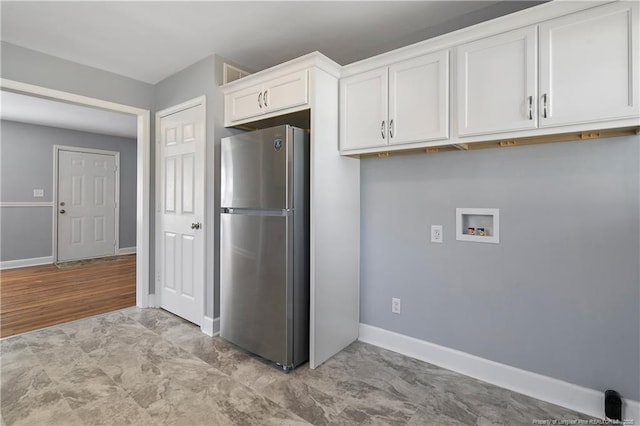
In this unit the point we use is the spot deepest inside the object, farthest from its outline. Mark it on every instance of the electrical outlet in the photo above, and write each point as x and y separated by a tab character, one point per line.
436	233
395	305
38	193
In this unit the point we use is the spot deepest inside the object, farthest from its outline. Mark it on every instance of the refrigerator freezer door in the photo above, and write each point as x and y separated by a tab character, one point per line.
256	169
256	279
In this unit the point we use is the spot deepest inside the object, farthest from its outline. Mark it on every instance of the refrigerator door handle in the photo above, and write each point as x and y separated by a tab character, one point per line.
257	212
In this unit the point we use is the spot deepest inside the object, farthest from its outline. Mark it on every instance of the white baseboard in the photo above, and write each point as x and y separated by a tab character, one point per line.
568	395
20	263
210	326
126	250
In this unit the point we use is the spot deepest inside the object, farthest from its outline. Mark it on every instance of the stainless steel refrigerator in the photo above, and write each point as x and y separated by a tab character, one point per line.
264	244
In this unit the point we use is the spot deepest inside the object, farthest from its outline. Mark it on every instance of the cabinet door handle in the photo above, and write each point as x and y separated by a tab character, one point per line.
530	107
264	98
382	128
544	105
391	128
260	99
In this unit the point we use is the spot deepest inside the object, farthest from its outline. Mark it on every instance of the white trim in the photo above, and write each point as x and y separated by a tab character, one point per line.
143	168
56	184
126	250
574	397
494	229
21	263
210	326
191	103
151	302
26	204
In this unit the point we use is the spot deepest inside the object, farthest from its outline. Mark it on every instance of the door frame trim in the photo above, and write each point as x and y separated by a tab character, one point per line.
143	181
56	184
198	101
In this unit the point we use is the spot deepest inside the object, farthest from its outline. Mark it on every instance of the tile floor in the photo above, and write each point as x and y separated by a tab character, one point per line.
147	367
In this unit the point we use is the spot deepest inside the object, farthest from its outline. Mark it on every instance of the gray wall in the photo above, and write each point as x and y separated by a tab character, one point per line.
29	66
26	162
203	78
558	296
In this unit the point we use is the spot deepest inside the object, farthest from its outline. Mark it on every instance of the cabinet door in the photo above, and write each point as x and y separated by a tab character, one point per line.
244	103
589	66
286	92
419	99
363	110
497	83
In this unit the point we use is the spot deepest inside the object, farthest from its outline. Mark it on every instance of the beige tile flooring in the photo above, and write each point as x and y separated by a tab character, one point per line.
148	367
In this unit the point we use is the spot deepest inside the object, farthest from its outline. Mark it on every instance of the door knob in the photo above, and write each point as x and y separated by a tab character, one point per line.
63	211
196	225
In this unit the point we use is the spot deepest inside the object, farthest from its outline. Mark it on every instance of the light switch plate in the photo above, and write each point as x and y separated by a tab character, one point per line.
38	193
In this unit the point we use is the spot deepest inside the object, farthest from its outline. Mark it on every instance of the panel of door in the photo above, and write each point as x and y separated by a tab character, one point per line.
181	239
86	205
419	99
286	92
245	103
589	66
363	110
497	83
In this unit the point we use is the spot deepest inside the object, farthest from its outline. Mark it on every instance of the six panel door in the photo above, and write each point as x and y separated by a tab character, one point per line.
180	261
86	205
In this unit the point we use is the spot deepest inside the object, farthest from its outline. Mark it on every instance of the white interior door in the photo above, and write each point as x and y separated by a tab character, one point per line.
181	240
87	205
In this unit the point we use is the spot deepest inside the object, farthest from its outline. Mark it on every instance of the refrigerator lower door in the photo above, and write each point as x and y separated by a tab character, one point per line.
255	281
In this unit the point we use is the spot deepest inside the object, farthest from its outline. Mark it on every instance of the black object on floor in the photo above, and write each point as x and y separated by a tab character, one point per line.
612	405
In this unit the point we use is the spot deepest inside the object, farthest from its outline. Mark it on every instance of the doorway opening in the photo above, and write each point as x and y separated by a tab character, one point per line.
143	298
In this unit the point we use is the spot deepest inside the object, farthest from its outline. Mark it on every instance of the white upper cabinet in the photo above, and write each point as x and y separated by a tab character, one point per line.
281	93
407	102
589	66
419	99
497	79
243	104
363	110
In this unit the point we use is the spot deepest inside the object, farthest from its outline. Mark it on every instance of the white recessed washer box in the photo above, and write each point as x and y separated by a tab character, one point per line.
478	225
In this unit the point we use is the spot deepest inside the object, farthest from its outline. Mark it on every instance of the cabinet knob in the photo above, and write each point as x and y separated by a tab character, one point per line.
530	101
391	128
264	97
260	99
544	105
382	129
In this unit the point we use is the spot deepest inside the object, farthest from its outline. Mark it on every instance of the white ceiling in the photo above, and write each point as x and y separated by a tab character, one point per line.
45	112
152	40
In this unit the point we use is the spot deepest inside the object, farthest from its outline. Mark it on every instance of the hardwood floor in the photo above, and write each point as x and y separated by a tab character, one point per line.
40	296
